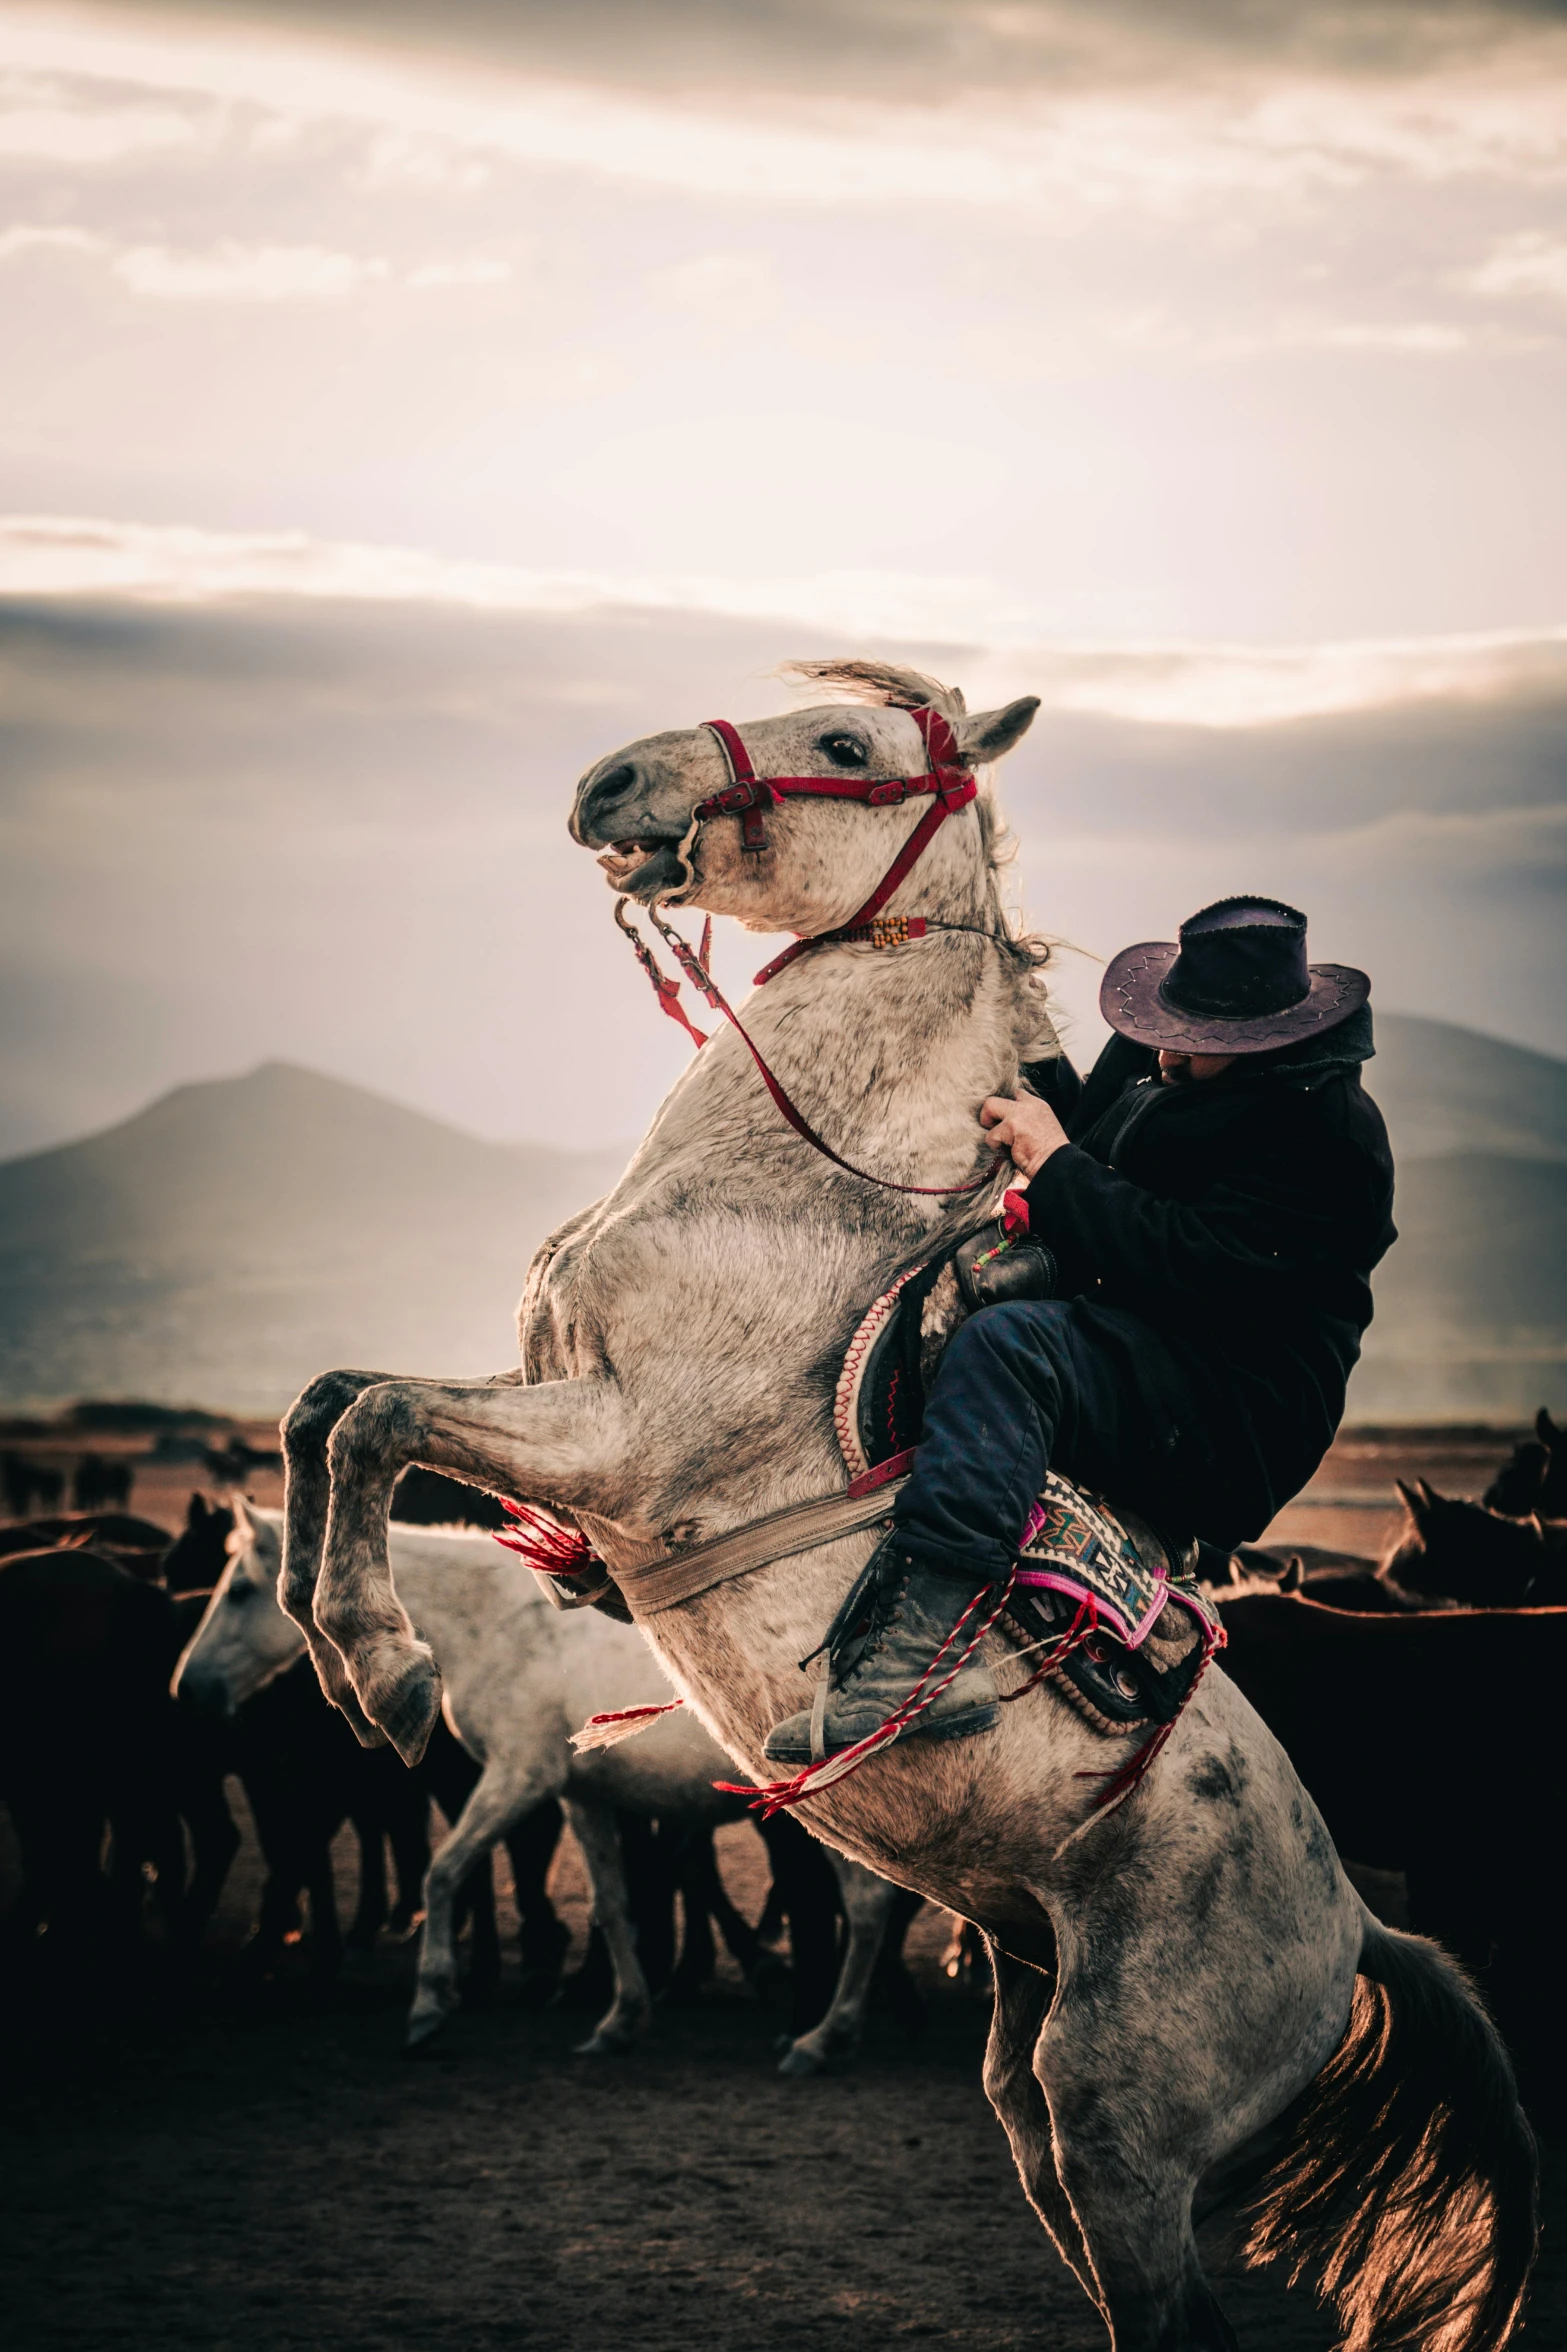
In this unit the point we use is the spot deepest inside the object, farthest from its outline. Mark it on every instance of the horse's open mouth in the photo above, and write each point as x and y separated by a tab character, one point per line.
641	867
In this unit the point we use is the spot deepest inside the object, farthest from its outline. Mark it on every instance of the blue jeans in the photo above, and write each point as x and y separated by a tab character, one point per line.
1035	1385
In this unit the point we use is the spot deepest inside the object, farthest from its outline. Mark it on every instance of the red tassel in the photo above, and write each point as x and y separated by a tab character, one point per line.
1085	1623
544	1543
1120	1783
776	1795
607	1731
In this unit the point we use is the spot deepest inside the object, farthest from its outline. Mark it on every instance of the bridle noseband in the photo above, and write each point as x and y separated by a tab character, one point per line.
749	796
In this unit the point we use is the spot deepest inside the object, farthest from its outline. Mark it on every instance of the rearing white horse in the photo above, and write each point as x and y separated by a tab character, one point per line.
1181	1975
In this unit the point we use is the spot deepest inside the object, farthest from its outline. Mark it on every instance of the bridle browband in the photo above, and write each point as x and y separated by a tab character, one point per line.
749	796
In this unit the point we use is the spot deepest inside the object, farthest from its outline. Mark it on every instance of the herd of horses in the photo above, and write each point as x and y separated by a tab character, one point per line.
142	1674
1416	1698
1414	1695
98	1482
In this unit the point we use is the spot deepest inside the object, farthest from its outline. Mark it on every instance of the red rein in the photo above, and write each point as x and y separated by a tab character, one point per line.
748	798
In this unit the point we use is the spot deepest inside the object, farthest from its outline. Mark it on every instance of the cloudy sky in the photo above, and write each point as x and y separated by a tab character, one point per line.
402	405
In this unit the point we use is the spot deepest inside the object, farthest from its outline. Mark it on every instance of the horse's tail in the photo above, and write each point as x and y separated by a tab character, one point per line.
1407	2190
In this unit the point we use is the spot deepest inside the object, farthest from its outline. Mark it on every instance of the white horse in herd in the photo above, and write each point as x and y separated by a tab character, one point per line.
520	1676
1186	1985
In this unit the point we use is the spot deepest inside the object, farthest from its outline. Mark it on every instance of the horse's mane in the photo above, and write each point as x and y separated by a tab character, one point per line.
858	679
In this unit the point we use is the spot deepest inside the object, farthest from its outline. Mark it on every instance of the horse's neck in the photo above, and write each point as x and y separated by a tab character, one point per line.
734	1251
887	1053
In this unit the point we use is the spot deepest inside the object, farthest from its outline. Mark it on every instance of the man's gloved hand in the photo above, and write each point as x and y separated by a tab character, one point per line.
994	1266
1023	1126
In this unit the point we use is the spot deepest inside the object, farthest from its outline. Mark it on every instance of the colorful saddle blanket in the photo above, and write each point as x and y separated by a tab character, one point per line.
1079	1551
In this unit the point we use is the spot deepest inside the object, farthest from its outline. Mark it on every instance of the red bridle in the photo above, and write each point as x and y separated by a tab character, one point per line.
748	797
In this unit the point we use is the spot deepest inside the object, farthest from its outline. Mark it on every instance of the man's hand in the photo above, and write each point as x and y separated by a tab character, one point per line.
1027	1128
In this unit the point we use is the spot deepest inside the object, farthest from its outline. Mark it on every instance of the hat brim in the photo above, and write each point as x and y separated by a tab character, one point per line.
1130	1001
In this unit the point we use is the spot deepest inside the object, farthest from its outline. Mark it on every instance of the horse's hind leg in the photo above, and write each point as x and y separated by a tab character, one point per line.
1124	2136
1023	1998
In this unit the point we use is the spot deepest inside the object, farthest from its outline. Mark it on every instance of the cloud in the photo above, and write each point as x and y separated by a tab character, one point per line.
1530	262
1284	118
246	273
712	280
334	831
893	46
45	119
474	269
234	272
1213	685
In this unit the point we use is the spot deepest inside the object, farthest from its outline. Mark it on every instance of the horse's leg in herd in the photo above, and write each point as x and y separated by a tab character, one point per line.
1022	2003
702	1885
867	1906
215	1841
474	1907
370	1916
326	1933
695	1871
593	1826
503	1795
559	1440
543	1936
408	1834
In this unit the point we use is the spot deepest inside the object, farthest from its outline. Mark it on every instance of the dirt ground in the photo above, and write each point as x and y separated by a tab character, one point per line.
262	2170
259	2169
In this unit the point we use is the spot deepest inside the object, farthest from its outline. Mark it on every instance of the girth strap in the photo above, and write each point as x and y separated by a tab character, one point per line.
802	1527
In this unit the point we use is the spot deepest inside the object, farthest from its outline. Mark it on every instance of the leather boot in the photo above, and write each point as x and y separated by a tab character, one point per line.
879	1646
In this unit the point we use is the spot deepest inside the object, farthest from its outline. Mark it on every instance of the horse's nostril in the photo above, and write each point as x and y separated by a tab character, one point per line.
615	784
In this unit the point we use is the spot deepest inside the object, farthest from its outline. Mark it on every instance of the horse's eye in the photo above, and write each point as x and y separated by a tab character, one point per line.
846	750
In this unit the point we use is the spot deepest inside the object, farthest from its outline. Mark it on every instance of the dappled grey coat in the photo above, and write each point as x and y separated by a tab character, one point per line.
1241	1217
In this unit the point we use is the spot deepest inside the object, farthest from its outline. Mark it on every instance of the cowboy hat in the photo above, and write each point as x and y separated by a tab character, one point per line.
1236	982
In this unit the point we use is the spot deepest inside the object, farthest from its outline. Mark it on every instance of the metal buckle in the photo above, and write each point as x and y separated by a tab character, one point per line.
889	794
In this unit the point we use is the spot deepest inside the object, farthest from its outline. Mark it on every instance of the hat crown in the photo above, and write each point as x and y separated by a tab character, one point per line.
1239	958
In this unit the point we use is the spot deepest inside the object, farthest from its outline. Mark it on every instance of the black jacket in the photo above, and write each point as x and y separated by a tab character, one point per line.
1241	1217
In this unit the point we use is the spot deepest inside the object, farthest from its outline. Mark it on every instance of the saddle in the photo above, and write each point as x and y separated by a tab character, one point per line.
1112	1608
1116	1601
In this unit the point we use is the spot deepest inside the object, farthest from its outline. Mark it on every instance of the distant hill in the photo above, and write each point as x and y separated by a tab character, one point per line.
236	1237
1444	1089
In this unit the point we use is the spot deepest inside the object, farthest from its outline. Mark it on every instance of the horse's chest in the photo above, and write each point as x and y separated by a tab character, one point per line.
701	1280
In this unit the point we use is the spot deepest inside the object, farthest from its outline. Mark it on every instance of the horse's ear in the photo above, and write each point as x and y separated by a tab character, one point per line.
244	1526
1293	1579
1545	1428
1415	1504
990	735
1429	1496
195	1510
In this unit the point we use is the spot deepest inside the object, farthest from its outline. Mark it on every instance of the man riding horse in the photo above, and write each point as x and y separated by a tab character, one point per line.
1204	1213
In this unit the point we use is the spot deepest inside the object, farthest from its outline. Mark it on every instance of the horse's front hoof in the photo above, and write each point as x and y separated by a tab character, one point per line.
407	1716
426	2024
800	2061
610	2041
